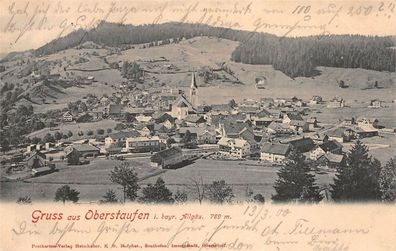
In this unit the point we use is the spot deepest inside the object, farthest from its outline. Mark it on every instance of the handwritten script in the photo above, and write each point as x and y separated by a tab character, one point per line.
248	227
53	19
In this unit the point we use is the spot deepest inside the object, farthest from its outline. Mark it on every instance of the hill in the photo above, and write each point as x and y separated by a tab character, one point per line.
293	56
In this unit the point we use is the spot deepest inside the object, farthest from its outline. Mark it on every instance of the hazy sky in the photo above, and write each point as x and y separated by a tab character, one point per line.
30	24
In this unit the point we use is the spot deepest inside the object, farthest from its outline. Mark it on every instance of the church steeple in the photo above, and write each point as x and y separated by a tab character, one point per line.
194	91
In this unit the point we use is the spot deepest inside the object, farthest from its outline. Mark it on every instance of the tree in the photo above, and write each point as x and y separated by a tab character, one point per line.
220	192
197	187
127	178
187	138
232	103
36	140
5	145
180	196
24	200
69	134
294	182
73	158
90	132
259	198
99	131
387	181
49	138
109	197
357	179
58	135
157	193
109	130
65	193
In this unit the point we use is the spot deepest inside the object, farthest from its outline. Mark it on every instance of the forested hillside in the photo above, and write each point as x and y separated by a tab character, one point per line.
293	56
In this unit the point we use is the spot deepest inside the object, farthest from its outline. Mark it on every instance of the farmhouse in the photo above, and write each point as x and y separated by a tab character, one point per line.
274	152
316	100
83	150
336	102
167	158
36	160
67	117
234	148
376	103
301	144
312	123
261	82
331	146
330	160
341	134
279	129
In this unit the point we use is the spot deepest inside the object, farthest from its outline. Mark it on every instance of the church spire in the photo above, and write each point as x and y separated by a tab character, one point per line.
193	82
194	91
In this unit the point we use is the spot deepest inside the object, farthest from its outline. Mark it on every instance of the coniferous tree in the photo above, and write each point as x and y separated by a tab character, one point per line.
387	181
127	178
295	182
357	179
109	197
157	193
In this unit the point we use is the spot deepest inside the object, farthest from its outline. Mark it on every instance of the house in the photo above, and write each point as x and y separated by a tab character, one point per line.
234	148
262	118
279	129
341	134
36	159
261	82
336	102
299	126
119	138
194	120
330	160
315	100
167	158
67	117
274	152
331	146
143	119
289	117
83	150
364	122
205	136
114	110
312	123
364	131
375	103
143	144
302	144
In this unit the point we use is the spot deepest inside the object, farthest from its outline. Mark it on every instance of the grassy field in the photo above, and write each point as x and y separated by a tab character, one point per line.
93	181
76	127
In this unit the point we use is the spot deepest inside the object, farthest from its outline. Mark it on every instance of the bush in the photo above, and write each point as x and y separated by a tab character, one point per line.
100	131
109	130
90	132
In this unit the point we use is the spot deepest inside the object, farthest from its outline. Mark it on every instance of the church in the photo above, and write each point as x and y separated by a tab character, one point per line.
184	106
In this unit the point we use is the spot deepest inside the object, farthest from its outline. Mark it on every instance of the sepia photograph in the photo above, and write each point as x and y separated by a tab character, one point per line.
174	103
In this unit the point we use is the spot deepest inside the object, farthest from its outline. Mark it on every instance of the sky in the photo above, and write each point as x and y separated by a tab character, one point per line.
30	24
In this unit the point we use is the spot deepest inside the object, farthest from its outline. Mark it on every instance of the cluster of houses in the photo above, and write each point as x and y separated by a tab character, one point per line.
266	129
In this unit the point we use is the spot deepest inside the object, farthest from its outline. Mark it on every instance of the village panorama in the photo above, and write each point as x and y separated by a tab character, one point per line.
177	113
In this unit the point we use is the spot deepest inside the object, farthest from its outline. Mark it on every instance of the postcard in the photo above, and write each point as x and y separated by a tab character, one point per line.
197	125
